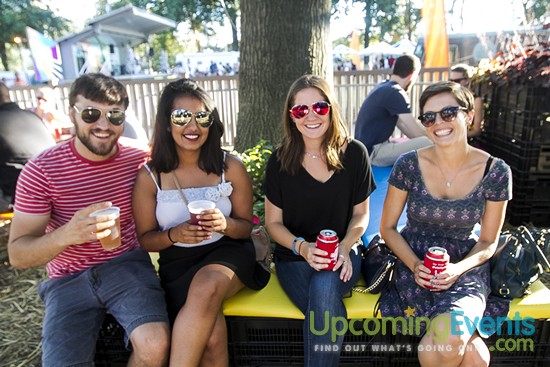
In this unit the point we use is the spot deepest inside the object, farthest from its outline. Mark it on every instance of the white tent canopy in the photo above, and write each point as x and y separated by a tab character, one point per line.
343	50
405	46
381	48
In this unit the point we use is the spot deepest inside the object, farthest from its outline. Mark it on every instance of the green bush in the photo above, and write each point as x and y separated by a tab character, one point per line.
255	160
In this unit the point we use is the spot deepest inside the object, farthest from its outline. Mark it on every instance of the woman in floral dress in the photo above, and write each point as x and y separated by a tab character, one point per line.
448	188
201	264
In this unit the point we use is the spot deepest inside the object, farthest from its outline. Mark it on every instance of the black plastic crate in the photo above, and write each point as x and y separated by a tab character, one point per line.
110	348
523	97
531	188
261	342
532	157
525	212
265	342
510	123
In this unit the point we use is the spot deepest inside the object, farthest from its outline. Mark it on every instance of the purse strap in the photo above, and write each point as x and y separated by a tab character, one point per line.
365	289
539	254
179	188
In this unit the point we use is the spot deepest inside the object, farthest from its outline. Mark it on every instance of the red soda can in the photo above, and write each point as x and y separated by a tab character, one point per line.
327	240
436	259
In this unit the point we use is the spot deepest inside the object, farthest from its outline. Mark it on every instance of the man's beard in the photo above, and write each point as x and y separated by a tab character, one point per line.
100	149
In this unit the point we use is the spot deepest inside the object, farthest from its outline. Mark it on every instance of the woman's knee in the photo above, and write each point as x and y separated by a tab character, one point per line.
436	350
209	284
476	353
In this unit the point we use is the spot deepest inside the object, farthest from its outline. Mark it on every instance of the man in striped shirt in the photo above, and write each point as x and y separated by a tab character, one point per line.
55	195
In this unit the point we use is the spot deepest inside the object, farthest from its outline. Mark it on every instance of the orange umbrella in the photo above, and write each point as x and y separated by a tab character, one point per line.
356	45
436	42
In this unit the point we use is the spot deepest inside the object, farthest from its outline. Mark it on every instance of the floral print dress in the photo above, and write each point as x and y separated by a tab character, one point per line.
449	224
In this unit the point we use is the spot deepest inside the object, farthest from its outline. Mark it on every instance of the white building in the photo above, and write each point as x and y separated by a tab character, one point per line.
106	43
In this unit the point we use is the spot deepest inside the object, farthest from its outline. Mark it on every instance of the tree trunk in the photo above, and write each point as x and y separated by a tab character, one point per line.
4	56
235	42
281	40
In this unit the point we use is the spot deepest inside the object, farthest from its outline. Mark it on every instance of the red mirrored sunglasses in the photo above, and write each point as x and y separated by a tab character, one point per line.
301	110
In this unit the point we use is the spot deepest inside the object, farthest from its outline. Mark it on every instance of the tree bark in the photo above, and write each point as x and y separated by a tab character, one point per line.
4	56
281	41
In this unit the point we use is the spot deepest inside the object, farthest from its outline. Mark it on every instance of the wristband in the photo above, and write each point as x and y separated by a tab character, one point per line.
294	244
170	237
299	251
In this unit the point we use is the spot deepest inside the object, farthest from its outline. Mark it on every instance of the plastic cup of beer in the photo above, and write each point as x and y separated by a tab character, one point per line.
197	206
112	241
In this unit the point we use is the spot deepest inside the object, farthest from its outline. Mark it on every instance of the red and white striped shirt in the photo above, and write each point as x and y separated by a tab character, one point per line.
59	182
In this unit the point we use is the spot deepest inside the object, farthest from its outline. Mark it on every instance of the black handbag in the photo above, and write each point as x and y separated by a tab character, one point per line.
518	262
376	266
263	247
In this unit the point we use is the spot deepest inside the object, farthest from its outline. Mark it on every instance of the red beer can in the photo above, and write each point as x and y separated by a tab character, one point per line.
436	259
327	240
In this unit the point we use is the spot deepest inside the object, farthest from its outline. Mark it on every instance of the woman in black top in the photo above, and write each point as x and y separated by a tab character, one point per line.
318	178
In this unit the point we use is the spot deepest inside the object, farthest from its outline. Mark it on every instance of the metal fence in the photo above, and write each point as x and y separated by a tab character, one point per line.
350	87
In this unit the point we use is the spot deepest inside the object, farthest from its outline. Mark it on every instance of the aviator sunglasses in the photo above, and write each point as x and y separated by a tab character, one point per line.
321	108
458	80
91	114
182	117
447	114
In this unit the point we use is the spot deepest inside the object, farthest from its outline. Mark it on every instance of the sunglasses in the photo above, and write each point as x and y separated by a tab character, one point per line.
447	114
321	108
91	114
182	117
458	80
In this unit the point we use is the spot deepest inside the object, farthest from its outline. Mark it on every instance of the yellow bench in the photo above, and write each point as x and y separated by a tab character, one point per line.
6	216
272	301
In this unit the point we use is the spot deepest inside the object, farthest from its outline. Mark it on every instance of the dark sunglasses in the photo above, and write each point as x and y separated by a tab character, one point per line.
458	80
447	114
91	114
301	110
182	117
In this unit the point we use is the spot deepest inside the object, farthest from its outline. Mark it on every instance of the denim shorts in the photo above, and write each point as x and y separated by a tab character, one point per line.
127	287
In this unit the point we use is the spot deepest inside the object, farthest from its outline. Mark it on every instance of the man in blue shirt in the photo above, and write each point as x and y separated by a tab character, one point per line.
386	107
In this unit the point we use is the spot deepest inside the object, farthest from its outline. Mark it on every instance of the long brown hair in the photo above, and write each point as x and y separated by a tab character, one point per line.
291	149
164	157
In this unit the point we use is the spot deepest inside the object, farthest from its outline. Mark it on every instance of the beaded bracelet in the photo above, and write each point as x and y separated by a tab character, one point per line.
294	244
170	237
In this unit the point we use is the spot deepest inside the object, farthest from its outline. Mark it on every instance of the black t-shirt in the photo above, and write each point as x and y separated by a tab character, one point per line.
310	206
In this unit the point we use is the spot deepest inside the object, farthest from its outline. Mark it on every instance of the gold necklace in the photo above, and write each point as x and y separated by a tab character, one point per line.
448	182
312	155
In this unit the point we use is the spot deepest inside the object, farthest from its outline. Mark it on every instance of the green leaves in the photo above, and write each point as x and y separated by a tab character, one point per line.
255	160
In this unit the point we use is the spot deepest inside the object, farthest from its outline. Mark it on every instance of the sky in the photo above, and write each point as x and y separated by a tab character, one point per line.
478	16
